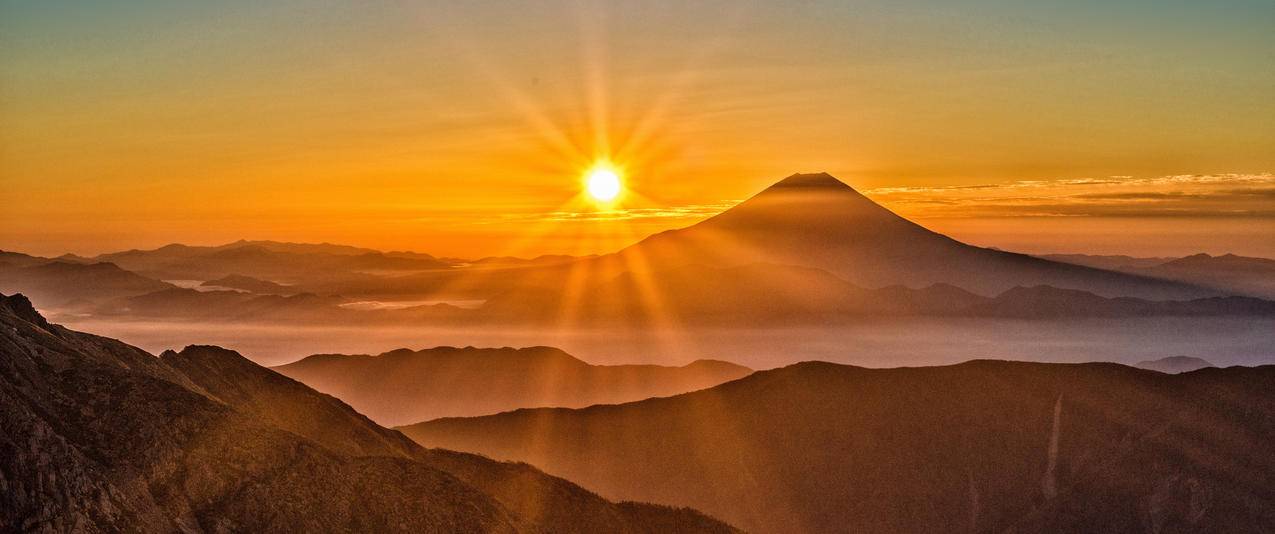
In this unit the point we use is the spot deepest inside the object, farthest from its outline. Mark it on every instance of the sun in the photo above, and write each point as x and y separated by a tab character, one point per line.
603	183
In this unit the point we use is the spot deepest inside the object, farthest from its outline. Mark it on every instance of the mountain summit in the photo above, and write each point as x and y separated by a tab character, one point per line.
818	180
816	220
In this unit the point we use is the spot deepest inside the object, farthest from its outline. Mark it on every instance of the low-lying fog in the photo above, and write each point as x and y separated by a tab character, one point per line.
1223	341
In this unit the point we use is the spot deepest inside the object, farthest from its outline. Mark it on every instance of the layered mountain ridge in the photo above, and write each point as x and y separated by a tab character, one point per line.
404	386
982	446
103	437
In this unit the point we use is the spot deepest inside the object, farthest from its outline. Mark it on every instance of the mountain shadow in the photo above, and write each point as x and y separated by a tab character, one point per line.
984	446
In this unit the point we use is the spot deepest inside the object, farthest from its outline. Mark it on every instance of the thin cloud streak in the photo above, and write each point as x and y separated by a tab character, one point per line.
689	211
1218	195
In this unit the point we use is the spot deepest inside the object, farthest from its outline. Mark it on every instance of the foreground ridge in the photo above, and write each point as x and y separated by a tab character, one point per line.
103	437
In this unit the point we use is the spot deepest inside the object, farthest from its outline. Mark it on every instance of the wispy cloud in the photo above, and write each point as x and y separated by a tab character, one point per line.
687	211
1217	195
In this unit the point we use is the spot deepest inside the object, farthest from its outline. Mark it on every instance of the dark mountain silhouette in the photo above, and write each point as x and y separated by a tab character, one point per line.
1109	262
1175	364
280	262
249	284
817	221
403	386
103	437
984	446
56	283
1044	302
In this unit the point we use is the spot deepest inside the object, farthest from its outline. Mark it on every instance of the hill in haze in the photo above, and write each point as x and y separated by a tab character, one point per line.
1175	364
983	446
404	386
270	261
57	283
247	283
1227	272
100	436
1239	274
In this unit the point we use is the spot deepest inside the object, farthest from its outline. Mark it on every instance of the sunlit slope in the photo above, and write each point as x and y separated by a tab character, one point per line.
985	446
100	436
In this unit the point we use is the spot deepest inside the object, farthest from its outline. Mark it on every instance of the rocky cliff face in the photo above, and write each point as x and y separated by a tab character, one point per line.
103	437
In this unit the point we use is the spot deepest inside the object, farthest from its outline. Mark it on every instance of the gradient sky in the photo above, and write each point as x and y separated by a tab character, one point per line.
1080	126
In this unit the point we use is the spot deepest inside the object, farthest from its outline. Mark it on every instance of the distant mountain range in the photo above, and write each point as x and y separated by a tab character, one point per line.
752	295
984	446
807	250
404	386
763	295
102	437
56	283
268	260
1228	272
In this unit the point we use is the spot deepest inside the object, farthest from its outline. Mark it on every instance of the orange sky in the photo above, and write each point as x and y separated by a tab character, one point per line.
462	130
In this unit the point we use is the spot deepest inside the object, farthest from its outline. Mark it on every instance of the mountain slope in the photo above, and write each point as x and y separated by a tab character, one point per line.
103	437
985	446
1239	274
1108	262
58	283
1044	302
249	284
1175	364
1231	273
403	386
549	502
817	221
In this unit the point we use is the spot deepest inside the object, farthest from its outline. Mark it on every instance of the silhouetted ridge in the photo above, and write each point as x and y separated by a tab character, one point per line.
404	386
983	446
19	305
1175	364
816	181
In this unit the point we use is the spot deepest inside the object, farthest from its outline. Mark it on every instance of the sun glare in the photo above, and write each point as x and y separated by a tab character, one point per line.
603	183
